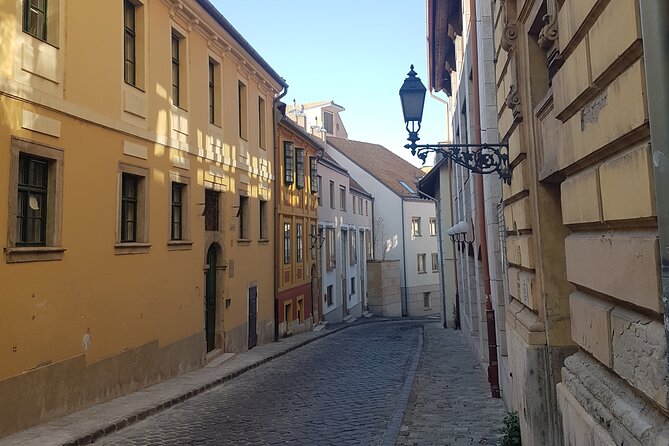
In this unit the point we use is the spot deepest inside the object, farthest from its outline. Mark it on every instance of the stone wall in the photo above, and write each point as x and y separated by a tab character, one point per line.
383	288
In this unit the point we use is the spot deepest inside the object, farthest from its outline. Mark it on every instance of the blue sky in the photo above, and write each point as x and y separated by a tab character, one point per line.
354	52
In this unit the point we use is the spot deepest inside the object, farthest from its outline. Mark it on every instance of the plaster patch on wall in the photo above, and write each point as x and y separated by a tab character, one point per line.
590	113
86	341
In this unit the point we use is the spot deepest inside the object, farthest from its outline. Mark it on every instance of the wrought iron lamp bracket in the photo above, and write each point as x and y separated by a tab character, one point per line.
477	158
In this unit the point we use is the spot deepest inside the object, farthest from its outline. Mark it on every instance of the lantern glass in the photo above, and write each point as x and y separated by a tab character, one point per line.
412	96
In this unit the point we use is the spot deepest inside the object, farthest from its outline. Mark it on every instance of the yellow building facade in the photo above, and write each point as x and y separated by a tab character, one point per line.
137	159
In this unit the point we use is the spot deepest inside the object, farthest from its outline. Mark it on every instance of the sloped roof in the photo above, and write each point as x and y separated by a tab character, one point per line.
382	164
357	187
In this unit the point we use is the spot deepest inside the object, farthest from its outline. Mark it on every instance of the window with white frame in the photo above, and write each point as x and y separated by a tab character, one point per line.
433	226
415	226
421	263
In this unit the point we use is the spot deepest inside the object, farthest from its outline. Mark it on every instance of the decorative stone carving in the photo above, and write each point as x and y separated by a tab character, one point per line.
509	36
549	33
512	102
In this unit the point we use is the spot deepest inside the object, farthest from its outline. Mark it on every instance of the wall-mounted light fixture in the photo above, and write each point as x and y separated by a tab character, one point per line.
458	232
478	158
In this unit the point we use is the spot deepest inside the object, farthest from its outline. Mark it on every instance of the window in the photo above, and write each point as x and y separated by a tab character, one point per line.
352	248
288	162
352	285
286	243
435	262
368	244
332	195
353	203
212	92
421	263
330	255
36	177
427	302
263	220
178	190
415	226
288	314
406	186
35	18
32	201
298	242
243	214
319	190
314	179
366	208
329	295
433	226
241	101
176	68
314	242
328	119
299	167
211	210
360	206
129	44
342	197
129	190
261	122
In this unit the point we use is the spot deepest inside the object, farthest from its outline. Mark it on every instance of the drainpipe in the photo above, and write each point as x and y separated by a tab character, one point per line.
442	281
456	317
404	303
654	16
493	372
277	181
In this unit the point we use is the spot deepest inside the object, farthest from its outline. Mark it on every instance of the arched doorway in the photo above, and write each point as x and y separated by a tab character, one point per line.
210	297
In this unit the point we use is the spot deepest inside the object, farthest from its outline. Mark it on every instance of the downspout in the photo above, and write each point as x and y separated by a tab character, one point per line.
493	372
442	281
655	34
456	316
404	303
277	181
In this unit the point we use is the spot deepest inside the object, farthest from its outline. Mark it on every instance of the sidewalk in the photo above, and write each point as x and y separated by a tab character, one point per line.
86	426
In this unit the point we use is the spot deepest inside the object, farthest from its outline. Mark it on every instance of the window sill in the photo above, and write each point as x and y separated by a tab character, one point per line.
243	241
131	248
422	272
33	254
179	245
263	241
135	87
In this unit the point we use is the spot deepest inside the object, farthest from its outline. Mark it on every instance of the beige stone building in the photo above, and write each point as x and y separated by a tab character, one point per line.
579	89
136	167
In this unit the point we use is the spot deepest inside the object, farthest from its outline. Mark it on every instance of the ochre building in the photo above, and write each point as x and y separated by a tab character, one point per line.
136	158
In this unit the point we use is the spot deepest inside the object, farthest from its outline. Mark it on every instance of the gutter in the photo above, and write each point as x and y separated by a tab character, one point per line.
404	303
655	34
277	181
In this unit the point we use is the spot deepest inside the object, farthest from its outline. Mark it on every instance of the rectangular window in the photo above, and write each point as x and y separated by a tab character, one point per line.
35	210
427	301
177	210
415	226
352	285
261	122
352	248
263	220
176	69
212	92
211	210
31	215
421	263
287	245
433	226
435	262
320	189
314	179
288	162
353	203
243	214
342	197
329	295
366	208
332	195
35	18
299	168
330	255
129	44
360	206
129	195
328	120
243	110
299	248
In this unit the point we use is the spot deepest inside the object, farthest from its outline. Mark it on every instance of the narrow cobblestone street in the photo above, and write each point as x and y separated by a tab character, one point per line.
344	390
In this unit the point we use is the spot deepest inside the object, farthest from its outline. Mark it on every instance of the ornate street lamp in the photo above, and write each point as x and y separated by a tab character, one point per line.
478	158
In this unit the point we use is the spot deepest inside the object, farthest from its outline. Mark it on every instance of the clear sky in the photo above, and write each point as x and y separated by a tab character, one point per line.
354	52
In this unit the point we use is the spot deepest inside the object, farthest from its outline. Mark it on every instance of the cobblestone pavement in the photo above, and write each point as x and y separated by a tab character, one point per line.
450	403
341	390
